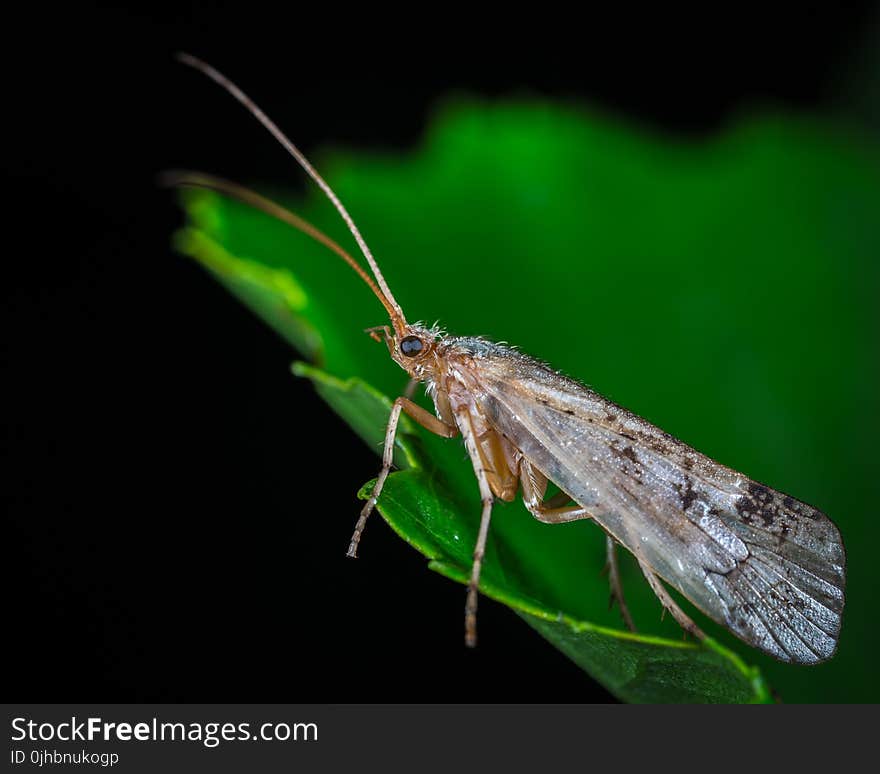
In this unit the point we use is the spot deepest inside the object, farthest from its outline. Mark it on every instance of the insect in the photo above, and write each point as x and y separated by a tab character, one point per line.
766	566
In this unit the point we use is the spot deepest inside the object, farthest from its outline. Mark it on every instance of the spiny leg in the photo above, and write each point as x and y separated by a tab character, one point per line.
470	608
552	511
499	462
614	581
558	500
427	420
682	618
558	515
387	459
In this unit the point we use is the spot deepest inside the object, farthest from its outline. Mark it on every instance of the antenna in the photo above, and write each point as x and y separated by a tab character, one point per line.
216	76
180	179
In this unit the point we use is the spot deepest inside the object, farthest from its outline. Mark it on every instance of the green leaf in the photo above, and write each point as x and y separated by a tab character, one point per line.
432	517
723	290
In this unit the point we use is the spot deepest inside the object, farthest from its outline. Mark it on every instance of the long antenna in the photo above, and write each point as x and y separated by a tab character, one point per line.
180	179
269	124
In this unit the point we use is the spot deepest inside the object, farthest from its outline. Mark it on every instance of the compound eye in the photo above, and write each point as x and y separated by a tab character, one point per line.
411	346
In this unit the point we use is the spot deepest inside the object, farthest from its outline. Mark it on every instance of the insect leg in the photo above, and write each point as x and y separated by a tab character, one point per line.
555	511
500	464
614	582
682	618
427	420
470	608
534	484
557	501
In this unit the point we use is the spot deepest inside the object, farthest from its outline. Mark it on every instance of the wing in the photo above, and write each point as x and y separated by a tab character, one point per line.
768	567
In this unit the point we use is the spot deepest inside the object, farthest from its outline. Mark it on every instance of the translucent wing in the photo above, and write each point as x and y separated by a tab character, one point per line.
767	566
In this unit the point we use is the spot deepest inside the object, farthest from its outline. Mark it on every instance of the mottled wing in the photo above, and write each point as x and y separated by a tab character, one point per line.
767	566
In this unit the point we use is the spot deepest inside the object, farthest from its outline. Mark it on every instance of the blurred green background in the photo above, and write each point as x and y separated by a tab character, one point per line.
724	289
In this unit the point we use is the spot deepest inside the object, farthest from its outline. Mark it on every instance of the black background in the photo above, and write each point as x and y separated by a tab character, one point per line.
178	506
